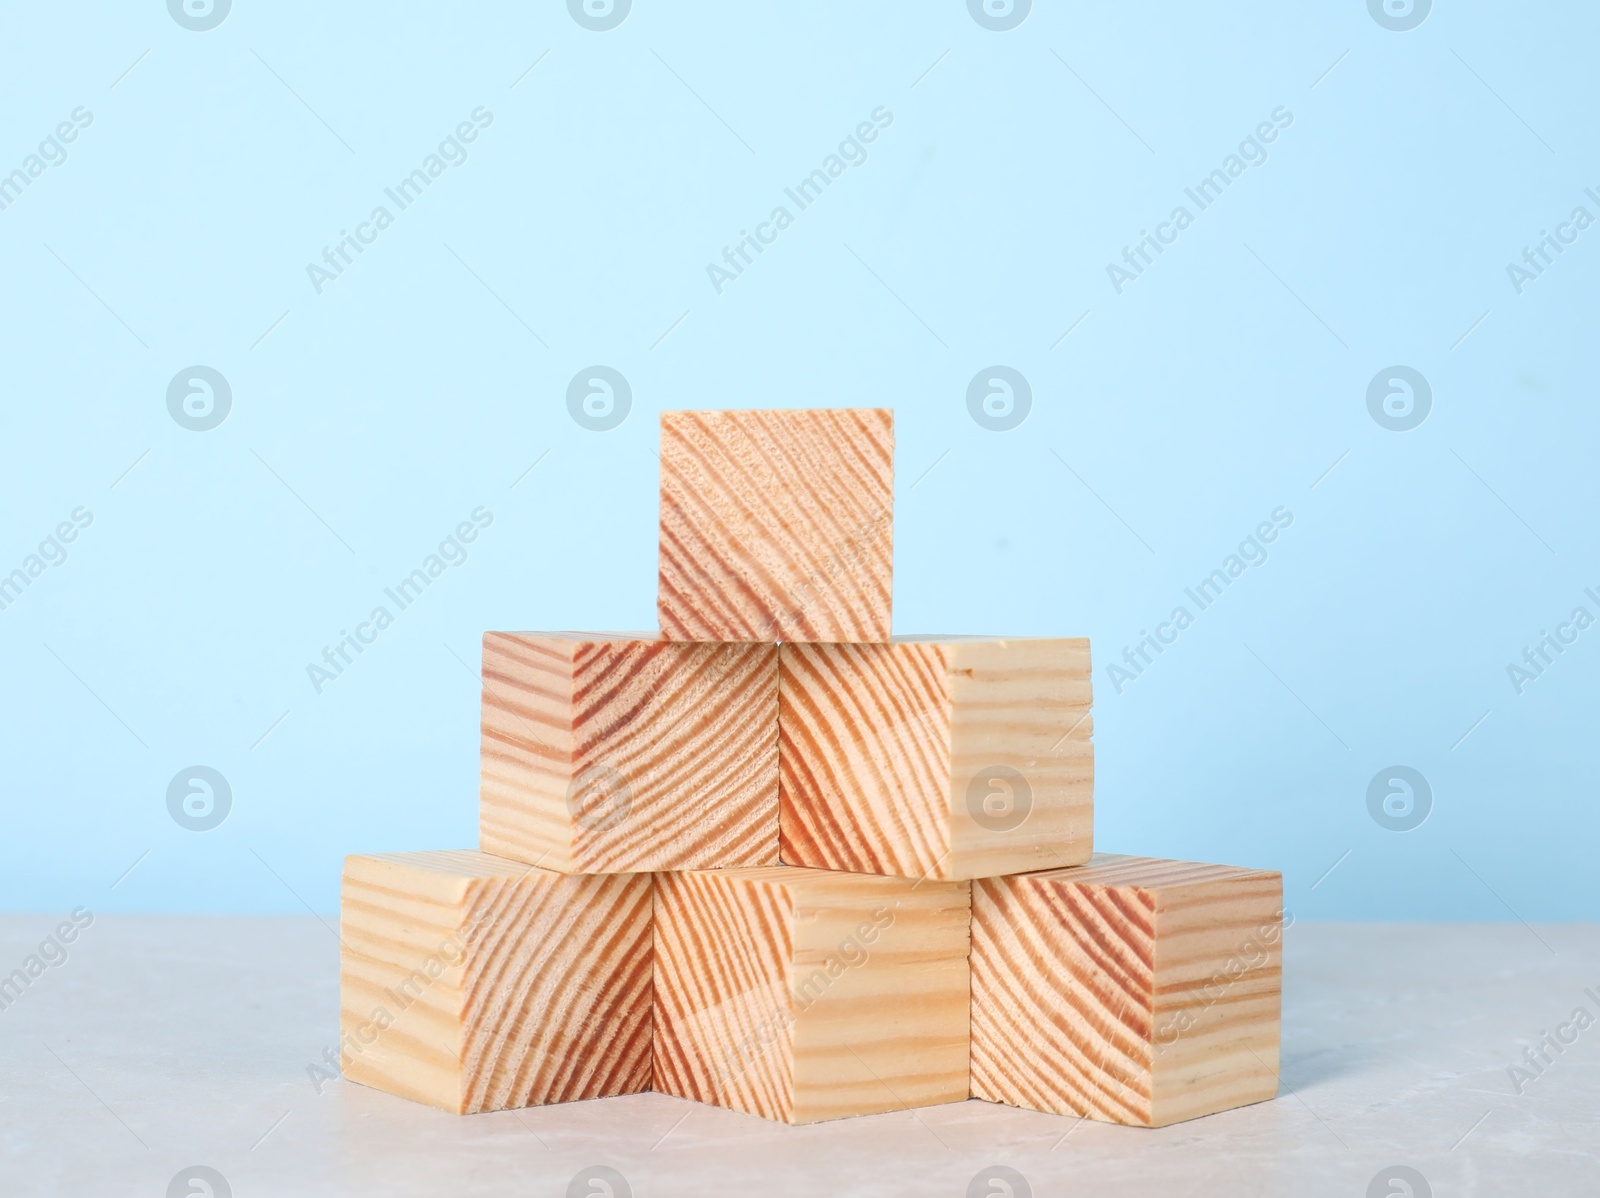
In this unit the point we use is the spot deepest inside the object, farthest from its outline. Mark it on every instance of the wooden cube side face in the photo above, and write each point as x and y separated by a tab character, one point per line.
525	759
776	525
1063	997
675	756
401	992
881	991
864	758
557	990
722	1010
1218	988
483	993
1021	782
618	755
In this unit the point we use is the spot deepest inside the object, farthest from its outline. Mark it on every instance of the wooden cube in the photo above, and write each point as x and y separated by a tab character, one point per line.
803	994
1130	990
474	983
932	757
776	525
620	753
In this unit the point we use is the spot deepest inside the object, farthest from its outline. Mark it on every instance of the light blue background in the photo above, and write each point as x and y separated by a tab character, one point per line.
1227	381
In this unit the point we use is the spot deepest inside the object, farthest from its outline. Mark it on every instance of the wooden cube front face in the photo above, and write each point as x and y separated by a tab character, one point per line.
943	758
776	525
1130	990
473	983
628	753
801	995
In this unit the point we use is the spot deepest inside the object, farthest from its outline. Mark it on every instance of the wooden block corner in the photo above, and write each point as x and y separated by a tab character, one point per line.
802	995
473	983
1131	990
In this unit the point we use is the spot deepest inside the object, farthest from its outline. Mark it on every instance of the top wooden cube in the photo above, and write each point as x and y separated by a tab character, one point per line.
776	525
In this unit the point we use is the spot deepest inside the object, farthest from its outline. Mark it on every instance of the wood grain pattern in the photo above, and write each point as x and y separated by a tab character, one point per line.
607	754
776	525
1130	990
474	983
801	995
953	758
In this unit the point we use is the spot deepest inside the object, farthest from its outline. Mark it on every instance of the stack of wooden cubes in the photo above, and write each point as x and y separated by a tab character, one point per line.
774	859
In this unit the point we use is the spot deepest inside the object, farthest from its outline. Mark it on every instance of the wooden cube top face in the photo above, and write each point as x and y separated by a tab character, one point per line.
954	758
777	525
628	753
473	983
802	995
1131	990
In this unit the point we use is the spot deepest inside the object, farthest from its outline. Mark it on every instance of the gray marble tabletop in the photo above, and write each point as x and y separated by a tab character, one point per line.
1417	1059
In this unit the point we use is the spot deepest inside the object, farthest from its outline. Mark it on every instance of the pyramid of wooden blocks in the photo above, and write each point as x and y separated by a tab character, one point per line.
773	859
1130	990
623	753
776	525
474	983
953	757
804	994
